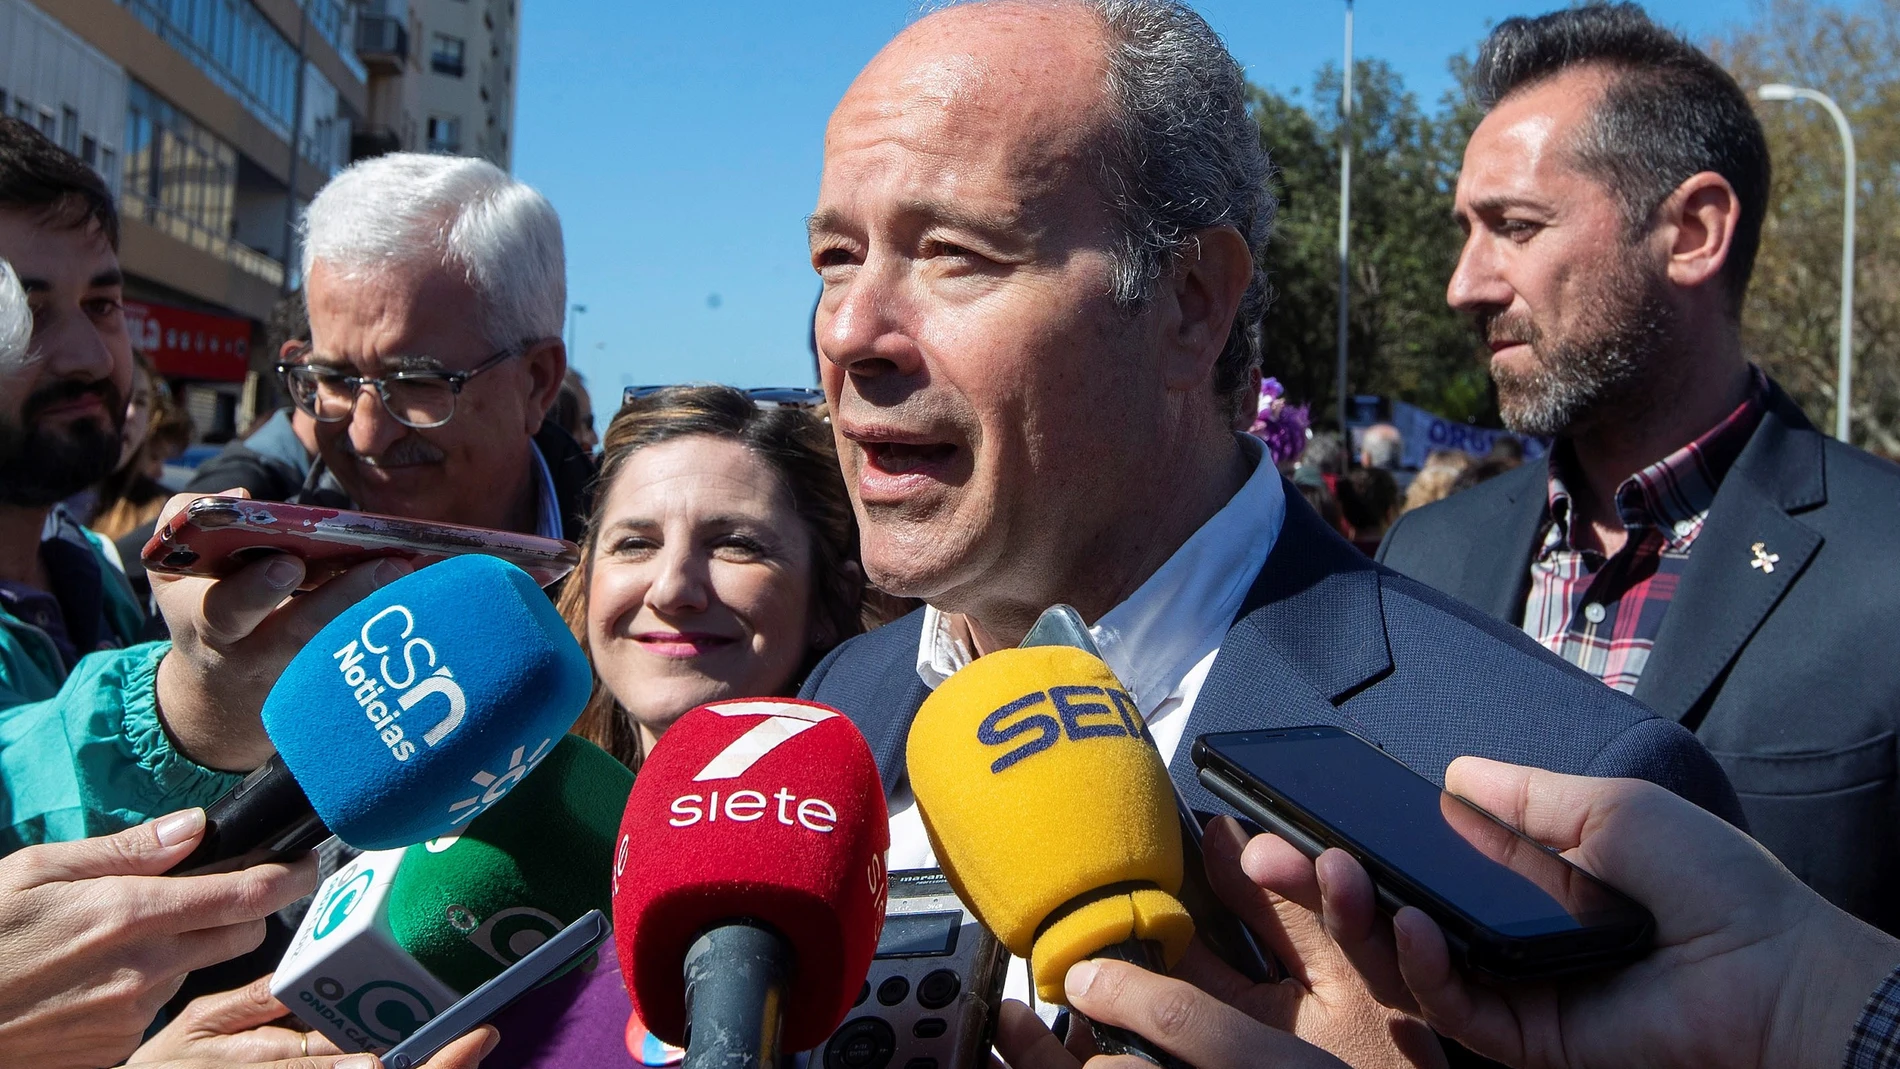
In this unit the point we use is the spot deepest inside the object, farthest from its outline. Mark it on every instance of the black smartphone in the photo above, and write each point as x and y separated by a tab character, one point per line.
568	946
1510	907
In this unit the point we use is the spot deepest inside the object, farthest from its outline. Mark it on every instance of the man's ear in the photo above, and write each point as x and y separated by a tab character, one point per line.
546	364
1697	228
1210	278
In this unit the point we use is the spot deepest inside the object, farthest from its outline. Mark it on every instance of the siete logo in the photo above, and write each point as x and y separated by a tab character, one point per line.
341	902
779	723
371	692
1114	715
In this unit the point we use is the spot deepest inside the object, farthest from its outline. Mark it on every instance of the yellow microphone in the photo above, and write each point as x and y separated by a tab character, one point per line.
1051	812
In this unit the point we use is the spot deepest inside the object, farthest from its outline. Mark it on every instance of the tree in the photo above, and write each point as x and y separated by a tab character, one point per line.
1403	340
1791	320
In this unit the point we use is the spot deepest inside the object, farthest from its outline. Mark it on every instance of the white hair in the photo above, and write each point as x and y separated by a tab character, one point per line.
408	209
16	319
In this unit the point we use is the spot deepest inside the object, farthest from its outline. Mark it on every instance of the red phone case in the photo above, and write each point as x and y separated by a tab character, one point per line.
215	536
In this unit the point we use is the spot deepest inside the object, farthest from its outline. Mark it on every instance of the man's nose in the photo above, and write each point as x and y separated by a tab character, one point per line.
867	326
72	349
1478	281
372	428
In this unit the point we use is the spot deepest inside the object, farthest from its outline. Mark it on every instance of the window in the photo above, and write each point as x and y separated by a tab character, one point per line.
182	179
69	130
446	53
445	133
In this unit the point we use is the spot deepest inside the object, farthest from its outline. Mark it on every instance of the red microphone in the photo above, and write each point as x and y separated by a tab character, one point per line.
749	882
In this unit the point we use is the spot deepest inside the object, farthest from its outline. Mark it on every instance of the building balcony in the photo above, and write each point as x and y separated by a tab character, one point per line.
368	141
382	42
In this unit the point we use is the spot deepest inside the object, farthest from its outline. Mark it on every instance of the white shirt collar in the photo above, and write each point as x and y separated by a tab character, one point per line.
548	519
1181	613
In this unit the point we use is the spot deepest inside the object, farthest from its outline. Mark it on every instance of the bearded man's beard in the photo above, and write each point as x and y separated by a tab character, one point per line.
40	465
1591	373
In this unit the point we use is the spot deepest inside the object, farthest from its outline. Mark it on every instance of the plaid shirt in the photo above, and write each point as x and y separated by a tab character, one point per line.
1603	614
1875	1043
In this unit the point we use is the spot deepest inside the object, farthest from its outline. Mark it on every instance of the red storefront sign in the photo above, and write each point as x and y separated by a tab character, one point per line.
190	345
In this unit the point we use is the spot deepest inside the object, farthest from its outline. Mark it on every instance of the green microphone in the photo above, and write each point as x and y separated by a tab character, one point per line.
467	906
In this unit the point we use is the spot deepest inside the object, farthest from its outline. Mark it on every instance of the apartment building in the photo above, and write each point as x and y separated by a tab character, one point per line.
187	107
469	51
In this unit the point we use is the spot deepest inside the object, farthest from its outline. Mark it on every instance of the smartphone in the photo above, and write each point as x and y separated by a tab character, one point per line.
215	536
569	945
1511	908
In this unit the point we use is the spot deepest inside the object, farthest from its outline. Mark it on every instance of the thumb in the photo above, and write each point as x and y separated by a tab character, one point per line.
230	1012
150	849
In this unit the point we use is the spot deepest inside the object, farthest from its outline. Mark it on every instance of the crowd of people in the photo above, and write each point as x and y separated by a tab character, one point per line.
1038	231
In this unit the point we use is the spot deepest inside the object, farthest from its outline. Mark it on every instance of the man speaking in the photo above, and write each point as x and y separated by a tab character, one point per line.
1038	230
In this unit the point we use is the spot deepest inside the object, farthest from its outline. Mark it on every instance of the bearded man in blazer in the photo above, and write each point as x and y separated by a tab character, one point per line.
1691	539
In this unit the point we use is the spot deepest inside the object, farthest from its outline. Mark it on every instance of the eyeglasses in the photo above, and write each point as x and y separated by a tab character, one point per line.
763	396
419	399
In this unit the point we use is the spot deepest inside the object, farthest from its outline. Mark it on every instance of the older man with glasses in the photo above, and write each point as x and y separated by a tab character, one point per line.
436	287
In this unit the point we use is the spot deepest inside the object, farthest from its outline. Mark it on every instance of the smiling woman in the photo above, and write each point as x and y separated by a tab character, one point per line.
721	560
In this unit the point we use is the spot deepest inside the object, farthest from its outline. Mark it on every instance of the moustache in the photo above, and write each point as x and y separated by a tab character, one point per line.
67	390
404	451
1507	327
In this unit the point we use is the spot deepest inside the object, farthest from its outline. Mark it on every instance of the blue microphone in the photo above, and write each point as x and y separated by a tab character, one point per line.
408	715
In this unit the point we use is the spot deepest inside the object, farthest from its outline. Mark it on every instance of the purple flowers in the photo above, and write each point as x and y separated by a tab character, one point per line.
1280	425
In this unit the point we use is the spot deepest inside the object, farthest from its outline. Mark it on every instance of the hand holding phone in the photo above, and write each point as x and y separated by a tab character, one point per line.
1510	907
568	946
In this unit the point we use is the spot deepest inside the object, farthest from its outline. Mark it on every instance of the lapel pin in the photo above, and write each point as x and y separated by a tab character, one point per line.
1763	559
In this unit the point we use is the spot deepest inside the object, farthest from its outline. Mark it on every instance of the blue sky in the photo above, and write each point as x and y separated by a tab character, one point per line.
682	144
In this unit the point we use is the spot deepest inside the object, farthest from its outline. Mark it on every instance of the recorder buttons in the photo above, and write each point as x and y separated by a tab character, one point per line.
866	1043
930	1028
892	991
937	990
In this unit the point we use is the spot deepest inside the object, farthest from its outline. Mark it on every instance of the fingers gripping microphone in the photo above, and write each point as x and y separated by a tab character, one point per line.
749	884
408	715
396	936
1051	812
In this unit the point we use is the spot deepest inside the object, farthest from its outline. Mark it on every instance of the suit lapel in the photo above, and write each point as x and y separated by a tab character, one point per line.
1310	634
1499	563
1724	594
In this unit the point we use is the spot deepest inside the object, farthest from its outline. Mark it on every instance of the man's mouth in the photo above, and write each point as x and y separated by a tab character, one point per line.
90	404
904	458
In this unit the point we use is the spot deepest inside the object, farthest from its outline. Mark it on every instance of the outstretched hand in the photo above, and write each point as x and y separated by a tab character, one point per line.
1750	967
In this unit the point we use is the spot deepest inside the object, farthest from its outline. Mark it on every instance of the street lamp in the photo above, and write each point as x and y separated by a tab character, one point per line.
574	314
1843	393
1345	221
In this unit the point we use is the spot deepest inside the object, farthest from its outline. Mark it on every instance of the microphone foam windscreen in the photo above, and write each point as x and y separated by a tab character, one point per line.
769	809
468	905
420	706
1049	808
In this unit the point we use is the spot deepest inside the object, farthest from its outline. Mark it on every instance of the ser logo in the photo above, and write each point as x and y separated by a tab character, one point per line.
779	723
1112	715
371	692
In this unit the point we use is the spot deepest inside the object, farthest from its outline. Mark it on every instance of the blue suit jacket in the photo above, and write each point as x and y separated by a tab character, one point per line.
1329	637
1788	676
